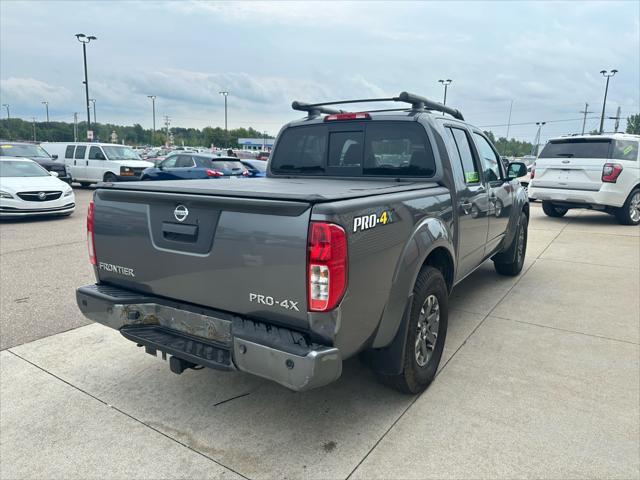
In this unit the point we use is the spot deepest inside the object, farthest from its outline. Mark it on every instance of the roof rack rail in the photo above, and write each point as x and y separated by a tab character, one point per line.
418	104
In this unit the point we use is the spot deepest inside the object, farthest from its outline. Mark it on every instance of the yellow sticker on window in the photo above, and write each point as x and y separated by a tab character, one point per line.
627	150
471	177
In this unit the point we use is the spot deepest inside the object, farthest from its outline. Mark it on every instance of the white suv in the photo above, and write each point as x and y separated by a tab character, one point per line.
601	172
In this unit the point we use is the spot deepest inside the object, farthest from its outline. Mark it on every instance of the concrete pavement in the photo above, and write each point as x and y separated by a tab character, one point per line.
540	378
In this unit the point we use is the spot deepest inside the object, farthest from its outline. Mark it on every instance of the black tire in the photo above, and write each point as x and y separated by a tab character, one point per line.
415	377
511	261
554	211
84	184
110	177
625	214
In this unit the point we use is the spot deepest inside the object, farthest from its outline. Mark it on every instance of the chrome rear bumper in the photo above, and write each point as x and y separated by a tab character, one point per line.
211	338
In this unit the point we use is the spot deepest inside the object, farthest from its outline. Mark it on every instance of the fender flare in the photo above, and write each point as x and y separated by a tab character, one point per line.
388	344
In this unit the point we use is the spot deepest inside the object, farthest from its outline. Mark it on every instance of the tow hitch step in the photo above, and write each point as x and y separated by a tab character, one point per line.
186	351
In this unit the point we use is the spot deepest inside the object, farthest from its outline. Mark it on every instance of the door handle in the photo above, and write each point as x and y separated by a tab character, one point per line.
466	207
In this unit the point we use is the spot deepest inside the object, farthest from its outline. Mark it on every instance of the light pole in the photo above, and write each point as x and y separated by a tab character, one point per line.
608	75
93	100
153	107
46	106
536	142
225	95
446	83
33	119
75	126
6	105
84	39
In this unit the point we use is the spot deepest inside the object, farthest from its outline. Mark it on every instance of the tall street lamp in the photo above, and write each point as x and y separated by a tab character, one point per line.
608	75
93	100
84	39
6	105
153	107
536	142
446	84
46	106
225	95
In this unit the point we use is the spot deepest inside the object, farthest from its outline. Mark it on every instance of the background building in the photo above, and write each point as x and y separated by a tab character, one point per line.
256	143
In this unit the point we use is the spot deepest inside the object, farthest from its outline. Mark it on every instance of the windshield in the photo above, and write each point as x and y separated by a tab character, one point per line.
577	148
380	148
19	150
10	168
120	153
259	165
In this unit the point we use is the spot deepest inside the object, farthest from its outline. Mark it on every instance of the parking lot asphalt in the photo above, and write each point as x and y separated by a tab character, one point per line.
540	379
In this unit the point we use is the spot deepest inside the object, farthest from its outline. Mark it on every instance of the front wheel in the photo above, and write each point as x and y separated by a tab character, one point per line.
552	210
426	333
629	213
511	261
110	177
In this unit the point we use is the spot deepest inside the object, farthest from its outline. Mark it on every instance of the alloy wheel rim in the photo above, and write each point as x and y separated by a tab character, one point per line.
634	207
521	244
427	330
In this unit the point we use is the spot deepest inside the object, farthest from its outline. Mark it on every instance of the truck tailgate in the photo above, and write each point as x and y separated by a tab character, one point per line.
242	255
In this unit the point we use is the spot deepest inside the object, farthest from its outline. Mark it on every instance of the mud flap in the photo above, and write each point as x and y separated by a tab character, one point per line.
389	360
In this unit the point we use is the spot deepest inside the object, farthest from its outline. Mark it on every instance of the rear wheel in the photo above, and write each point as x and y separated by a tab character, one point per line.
426	333
629	213
552	210
110	177
511	262
84	184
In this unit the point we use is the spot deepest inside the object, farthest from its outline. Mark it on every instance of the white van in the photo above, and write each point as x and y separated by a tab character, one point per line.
97	162
601	172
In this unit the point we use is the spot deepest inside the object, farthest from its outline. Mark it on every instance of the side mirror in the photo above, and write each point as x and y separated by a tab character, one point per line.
54	156
516	170
53	174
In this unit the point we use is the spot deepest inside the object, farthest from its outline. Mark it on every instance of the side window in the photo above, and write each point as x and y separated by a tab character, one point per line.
491	163
95	153
170	162
184	161
345	149
625	150
68	153
80	152
469	167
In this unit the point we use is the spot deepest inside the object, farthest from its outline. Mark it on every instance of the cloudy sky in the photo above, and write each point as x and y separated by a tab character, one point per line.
545	56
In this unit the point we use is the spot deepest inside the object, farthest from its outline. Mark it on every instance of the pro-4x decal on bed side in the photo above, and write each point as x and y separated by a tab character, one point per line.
365	222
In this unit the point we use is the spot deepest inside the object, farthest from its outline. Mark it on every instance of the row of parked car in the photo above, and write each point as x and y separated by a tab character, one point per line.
36	179
600	172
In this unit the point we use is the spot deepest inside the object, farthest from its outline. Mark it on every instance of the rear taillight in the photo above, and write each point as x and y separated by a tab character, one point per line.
245	173
91	245
326	266
347	116
533	173
611	172
214	173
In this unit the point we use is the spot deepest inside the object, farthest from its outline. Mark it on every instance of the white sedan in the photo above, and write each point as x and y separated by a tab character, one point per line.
27	189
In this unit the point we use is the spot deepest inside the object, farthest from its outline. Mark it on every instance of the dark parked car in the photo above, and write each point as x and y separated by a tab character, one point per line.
37	154
184	166
351	245
257	168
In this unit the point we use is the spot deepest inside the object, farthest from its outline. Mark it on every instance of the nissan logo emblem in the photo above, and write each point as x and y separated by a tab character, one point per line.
181	213
42	195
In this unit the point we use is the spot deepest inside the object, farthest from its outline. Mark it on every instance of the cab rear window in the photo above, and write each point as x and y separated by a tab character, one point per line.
377	148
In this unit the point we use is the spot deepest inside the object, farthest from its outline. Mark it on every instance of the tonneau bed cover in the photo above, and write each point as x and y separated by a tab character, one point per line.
308	189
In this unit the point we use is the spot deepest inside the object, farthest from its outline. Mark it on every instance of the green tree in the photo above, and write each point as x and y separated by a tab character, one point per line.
633	124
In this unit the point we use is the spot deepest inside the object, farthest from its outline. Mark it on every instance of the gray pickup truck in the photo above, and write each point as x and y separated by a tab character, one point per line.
351	245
